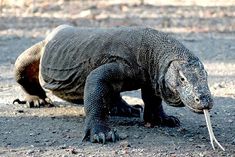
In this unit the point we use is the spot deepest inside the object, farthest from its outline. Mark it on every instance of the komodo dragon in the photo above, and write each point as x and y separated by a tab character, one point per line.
95	65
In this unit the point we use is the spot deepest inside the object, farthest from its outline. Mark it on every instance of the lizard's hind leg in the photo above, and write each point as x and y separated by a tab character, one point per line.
27	75
122	109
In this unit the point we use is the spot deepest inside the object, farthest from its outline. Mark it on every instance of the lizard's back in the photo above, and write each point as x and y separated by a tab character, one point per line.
70	54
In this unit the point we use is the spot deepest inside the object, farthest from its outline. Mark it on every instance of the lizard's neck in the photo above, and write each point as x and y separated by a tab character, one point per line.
158	51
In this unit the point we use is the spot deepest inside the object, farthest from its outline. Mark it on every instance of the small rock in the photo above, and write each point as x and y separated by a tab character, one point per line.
39	151
30	152
125	144
191	139
31	134
182	130
36	141
63	147
233	142
136	136
230	120
46	140
202	137
13	150
173	155
148	125
202	154
8	144
20	111
221	86
72	150
201	146
123	136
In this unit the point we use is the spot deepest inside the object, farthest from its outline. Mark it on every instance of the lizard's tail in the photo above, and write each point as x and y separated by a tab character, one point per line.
28	60
27	71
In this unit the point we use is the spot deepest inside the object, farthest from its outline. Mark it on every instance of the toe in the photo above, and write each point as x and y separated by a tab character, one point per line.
112	136
36	103
48	102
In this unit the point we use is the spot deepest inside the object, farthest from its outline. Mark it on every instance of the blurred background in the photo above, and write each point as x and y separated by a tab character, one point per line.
178	16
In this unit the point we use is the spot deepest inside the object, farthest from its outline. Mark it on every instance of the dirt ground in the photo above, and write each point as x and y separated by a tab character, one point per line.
209	31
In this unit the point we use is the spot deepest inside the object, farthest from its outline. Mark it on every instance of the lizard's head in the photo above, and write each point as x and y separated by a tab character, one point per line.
188	80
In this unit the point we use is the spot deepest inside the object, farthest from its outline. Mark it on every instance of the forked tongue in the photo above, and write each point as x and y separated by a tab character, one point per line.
211	133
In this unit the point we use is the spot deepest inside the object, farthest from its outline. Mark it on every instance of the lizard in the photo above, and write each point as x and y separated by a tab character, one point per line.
94	65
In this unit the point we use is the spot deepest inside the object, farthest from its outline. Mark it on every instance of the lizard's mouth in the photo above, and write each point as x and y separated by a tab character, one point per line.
200	111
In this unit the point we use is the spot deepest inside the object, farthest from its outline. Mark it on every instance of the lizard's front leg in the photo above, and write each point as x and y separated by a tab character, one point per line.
100	85
153	110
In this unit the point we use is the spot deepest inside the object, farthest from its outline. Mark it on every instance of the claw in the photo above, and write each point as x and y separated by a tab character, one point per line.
48	100
18	101
41	102
29	104
36	103
111	136
102	137
95	138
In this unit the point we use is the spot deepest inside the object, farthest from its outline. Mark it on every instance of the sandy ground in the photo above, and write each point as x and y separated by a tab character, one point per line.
209	31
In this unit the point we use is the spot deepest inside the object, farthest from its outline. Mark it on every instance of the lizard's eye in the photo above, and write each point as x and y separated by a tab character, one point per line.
182	79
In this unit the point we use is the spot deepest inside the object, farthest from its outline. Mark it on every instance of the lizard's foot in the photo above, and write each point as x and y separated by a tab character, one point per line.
101	133
124	110
169	121
35	102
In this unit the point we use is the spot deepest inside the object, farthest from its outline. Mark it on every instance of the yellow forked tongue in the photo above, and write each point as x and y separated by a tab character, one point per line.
211	133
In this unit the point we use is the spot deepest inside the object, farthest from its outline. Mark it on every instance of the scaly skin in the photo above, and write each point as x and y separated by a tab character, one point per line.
95	65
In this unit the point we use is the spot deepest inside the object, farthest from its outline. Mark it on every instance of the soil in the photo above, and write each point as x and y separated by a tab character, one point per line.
209	31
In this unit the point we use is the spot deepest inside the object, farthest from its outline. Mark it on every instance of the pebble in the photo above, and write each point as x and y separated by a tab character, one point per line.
136	136
123	136
230	120
201	146
148	125
221	86
46	140
233	142
31	134
20	111
30	152
72	150
36	141
191	139
63	147
181	130
125	144
202	137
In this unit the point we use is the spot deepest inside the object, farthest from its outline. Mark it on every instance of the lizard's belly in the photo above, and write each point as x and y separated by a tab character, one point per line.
70	88
69	96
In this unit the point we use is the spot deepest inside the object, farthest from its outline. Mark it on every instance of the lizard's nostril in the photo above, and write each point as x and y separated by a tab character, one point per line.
197	99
